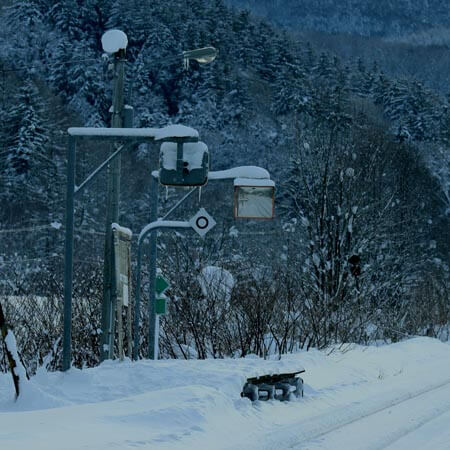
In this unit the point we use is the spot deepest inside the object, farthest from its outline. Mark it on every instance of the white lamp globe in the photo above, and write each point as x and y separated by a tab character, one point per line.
113	41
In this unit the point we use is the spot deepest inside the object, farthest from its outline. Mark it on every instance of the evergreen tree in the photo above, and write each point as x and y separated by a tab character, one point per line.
27	36
28	168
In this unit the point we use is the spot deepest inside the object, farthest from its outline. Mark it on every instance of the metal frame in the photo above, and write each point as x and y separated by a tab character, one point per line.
221	175
129	136
153	329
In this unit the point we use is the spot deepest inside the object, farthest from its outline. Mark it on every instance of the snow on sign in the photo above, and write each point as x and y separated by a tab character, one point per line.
122	259
113	41
202	222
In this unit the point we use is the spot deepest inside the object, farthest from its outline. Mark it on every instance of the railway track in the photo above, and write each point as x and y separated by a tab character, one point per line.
354	419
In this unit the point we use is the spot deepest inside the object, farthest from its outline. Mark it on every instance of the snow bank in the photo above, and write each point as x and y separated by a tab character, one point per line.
177	404
113	380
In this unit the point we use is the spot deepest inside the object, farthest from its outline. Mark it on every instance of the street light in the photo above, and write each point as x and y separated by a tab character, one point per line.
114	43
203	55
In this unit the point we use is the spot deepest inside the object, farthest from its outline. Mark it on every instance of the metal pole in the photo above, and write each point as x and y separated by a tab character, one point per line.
151	228
137	305
92	176
112	215
68	263
153	331
152	316
179	203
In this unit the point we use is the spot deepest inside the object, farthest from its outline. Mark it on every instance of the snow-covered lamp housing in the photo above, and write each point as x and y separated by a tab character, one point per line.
183	164
254	198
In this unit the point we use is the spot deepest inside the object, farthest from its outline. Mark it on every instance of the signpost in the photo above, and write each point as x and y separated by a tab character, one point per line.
160	305
161	285
122	264
202	222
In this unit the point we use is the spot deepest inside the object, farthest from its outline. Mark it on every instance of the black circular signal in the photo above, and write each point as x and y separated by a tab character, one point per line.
202	222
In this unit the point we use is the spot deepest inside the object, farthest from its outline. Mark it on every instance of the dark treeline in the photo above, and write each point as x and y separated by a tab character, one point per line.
359	250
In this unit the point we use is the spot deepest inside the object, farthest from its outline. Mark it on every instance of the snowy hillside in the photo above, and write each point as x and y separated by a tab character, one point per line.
350	396
364	17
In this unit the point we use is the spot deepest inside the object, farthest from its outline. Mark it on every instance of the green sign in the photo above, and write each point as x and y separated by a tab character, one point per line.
160	305
161	284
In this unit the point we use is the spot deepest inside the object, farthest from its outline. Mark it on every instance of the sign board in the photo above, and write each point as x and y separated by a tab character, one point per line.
254	199
184	164
122	261
161	284
202	222
160	305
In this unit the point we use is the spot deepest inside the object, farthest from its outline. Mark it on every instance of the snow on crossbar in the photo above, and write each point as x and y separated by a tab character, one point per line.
166	133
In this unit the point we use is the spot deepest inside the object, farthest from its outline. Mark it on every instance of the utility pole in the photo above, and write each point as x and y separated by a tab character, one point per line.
112	213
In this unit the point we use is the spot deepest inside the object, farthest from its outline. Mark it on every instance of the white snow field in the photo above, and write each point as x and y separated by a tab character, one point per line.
393	396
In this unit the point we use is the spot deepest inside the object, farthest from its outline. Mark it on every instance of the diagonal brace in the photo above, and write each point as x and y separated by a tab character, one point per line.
90	177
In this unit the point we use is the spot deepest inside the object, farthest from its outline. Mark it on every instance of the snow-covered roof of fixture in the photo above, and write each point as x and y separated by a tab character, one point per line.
124	230
247	172
240	172
158	224
254	182
192	153
176	131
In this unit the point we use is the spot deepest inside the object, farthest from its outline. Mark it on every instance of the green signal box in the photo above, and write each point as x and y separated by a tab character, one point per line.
183	164
161	284
160	306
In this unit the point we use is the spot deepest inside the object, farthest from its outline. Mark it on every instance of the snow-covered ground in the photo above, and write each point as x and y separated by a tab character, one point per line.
394	396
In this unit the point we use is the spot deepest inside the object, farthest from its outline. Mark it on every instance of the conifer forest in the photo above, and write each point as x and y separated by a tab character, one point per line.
355	136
